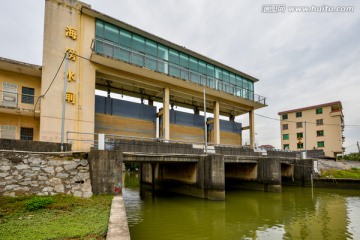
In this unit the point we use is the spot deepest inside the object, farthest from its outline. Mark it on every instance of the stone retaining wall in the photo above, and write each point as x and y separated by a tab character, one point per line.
43	174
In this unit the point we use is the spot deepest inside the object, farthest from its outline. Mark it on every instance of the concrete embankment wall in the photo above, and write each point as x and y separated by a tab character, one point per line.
337	183
24	173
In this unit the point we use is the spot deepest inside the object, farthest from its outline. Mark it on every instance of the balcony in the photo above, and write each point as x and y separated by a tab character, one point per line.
17	103
109	49
336	113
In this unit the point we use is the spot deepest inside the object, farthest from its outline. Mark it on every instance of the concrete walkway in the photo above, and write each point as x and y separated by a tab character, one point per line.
118	226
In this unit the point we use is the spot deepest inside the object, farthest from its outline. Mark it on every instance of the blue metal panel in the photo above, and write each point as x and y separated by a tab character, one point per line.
119	107
186	119
228	126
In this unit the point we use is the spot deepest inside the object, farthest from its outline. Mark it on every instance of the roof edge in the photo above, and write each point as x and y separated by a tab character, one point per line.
15	62
312	107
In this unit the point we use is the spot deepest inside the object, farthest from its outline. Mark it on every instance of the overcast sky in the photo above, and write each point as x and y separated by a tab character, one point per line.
301	58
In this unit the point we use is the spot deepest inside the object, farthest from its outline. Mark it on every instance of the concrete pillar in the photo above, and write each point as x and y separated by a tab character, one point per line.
269	174
166	114
150	102
216	123
252	128
196	111
211	176
106	170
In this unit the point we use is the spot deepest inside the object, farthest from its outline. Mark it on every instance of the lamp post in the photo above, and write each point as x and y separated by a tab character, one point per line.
205	125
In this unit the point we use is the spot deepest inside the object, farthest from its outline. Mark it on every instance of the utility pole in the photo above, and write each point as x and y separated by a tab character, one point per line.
64	102
305	142
358	146
205	125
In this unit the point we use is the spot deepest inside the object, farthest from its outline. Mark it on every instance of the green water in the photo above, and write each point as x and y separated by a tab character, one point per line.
296	213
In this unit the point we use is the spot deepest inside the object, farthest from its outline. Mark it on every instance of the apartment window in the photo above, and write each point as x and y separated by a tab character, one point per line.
319	122
298	114
27	95
299	135
300	145
26	134
319	111
285	136
9	94
284	116
286	146
285	126
320	133
299	125
8	132
321	144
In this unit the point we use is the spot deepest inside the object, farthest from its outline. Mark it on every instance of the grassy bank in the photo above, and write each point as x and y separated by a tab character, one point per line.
333	173
55	217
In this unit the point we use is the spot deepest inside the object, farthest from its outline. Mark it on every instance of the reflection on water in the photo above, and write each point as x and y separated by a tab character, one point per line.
294	214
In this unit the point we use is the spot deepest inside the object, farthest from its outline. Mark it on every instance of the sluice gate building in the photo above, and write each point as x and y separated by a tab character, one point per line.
84	51
110	55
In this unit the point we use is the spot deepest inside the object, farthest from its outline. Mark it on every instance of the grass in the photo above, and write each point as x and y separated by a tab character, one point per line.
66	218
332	173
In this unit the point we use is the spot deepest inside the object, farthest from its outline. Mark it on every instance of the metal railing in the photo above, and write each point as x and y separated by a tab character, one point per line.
20	101
110	141
159	65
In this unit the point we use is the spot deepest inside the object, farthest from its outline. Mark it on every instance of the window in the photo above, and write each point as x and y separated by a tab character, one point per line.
232	79
299	125
285	136
9	94
184	63
300	145
298	114
112	33
163	54
27	95
151	53
194	67
320	133
26	134
319	122
174	60
125	42
284	116
319	111
299	135
321	144
211	75
138	44
286	146
285	126
8	132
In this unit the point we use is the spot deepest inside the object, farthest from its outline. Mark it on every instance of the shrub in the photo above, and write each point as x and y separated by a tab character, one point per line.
132	167
37	203
351	157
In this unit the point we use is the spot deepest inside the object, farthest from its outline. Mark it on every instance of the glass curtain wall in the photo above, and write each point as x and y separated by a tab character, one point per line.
129	47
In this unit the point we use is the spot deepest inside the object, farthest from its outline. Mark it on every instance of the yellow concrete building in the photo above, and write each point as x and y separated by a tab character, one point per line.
19	90
315	127
106	54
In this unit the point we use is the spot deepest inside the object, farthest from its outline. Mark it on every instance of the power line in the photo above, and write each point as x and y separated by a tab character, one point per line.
42	96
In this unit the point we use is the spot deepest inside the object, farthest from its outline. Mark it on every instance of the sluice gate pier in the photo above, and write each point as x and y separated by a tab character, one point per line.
186	169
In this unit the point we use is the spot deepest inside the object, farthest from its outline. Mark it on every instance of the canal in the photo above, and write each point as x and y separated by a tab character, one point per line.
296	213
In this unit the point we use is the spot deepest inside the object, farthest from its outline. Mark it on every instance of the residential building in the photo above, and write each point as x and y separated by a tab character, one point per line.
315	127
85	50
